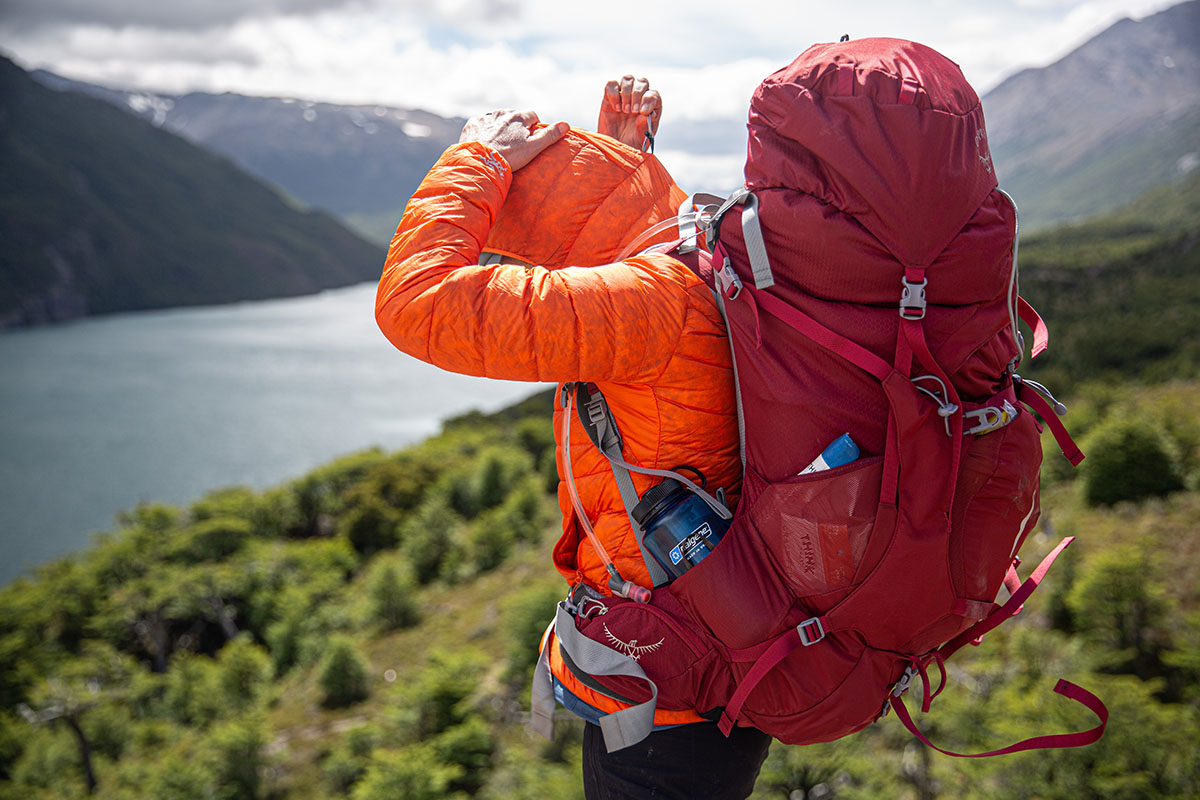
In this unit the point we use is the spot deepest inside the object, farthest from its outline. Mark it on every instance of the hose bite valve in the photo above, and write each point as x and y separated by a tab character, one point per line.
628	589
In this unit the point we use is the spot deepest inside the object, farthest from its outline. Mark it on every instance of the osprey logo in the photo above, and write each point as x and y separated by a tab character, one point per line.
631	648
492	160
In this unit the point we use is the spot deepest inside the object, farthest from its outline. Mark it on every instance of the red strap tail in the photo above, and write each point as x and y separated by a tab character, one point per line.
1052	741
1041	334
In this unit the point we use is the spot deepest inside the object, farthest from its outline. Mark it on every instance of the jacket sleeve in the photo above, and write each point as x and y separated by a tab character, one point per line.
619	322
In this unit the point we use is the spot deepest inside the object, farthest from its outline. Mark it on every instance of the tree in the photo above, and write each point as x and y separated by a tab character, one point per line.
1128	460
342	675
393	604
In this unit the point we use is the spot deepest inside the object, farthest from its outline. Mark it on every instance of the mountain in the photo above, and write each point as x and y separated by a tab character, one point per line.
103	212
1115	117
361	163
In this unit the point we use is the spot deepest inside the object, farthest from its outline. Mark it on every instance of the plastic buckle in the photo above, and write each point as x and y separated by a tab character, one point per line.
728	278
811	631
912	300
905	681
595	411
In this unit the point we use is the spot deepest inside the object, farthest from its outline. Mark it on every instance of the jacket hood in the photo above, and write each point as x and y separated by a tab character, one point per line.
582	201
885	130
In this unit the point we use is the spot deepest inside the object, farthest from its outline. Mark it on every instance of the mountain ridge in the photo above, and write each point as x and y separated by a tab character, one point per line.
102	212
1113	118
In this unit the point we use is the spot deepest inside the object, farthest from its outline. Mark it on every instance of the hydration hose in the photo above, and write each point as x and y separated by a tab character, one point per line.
618	584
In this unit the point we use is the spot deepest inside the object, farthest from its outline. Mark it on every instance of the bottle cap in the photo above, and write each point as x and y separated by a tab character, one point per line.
655	500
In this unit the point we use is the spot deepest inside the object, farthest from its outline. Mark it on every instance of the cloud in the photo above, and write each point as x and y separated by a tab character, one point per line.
459	57
32	14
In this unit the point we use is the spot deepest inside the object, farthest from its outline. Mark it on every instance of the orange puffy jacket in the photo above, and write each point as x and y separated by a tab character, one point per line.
646	330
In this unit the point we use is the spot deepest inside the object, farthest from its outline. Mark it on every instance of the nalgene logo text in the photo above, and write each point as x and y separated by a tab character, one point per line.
691	543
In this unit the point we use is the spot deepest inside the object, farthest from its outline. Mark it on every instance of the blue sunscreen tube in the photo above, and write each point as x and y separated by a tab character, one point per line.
842	451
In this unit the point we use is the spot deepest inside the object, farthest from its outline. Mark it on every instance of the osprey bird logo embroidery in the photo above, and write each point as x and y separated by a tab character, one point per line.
631	648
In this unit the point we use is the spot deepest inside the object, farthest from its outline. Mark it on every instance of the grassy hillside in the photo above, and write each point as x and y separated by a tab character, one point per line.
1120	292
102	212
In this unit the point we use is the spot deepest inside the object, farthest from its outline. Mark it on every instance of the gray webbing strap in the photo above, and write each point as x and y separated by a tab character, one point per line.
602	430
487	259
629	725
737	385
756	248
687	217
541	697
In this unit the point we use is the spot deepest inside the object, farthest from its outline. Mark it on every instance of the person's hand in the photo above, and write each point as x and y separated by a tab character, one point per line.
628	109
512	135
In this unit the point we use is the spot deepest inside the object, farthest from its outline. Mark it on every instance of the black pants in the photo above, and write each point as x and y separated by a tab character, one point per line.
690	762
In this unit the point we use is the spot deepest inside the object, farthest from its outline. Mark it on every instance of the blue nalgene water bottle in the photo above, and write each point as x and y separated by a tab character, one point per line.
681	529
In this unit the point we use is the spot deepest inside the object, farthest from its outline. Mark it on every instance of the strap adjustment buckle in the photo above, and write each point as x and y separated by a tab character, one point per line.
912	299
728	279
905	681
811	631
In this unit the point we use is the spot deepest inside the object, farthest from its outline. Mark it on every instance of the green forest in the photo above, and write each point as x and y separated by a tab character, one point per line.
369	629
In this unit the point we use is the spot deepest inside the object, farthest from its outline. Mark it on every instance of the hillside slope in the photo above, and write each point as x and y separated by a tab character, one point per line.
1113	118
361	163
1120	291
102	212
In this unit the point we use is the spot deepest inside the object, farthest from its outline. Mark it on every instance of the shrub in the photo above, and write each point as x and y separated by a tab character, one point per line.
393	604
1128	459
192	696
491	540
371	527
1117	603
239	758
343	675
244	671
413	773
470	746
429	537
526	617
535	436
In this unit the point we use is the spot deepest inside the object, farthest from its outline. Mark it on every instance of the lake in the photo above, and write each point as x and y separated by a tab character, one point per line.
99	415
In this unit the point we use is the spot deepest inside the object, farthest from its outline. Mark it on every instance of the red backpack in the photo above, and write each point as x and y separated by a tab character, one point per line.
868	276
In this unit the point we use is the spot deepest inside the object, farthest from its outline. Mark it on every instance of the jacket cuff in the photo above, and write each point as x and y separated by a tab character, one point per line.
479	155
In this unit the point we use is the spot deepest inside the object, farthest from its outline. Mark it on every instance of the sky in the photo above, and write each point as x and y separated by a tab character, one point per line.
462	57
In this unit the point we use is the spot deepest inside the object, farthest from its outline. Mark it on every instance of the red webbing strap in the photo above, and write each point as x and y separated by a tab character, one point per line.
1012	581
1051	741
783	645
777	652
795	318
1041	334
1008	609
1065	443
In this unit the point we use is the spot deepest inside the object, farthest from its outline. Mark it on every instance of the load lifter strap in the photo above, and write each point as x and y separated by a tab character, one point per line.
756	248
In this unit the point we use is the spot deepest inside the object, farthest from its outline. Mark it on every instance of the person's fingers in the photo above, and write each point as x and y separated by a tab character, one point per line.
612	96
652	108
626	94
538	141
527	118
639	90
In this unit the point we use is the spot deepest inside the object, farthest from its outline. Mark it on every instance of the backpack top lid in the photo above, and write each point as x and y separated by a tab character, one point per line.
885	130
581	201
